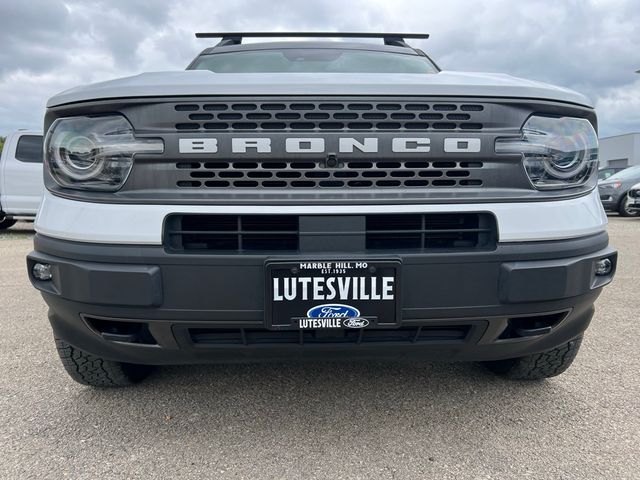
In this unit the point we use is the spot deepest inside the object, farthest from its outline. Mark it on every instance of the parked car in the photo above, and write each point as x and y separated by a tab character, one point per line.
325	200
606	172
614	191
21	183
634	199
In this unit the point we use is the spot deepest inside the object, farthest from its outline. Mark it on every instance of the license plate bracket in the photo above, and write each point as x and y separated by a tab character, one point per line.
332	294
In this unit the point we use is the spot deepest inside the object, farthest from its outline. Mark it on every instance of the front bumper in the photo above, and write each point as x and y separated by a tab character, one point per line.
139	304
634	203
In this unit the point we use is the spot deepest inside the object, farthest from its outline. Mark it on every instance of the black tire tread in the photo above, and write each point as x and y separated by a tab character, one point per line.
6	223
540	365
94	371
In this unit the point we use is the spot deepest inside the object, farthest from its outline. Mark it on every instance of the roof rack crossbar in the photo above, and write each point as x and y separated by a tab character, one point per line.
235	38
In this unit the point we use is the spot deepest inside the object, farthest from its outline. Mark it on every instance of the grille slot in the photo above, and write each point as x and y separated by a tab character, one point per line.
325	116
239	233
363	174
252	336
442	231
432	232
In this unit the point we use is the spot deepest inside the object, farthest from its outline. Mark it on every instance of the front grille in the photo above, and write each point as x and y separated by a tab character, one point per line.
203	233
302	149
299	174
328	116
328	150
407	335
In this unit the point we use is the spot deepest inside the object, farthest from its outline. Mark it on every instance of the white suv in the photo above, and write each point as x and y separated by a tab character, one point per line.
319	200
634	198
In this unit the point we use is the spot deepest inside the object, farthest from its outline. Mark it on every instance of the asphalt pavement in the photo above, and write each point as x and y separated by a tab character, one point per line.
322	420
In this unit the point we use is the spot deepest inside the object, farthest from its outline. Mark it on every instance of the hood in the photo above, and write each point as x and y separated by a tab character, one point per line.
204	82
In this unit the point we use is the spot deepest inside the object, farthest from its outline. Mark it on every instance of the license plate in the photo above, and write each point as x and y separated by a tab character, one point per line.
332	294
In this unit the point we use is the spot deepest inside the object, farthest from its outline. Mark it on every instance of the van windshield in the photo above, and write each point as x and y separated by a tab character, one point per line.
314	60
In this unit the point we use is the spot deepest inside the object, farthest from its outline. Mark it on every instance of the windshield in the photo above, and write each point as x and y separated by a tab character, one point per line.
315	60
626	173
605	173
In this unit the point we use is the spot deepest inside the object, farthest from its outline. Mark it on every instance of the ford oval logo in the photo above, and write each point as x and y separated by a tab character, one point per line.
356	323
333	310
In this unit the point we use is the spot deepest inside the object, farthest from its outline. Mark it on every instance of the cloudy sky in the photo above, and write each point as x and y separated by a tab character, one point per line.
592	46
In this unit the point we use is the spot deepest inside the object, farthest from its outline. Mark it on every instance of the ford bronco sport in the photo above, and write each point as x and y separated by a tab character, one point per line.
319	199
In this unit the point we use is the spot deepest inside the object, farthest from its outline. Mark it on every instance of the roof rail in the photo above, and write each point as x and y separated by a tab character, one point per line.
235	38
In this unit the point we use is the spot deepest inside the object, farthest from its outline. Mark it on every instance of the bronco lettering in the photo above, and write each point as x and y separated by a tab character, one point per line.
307	145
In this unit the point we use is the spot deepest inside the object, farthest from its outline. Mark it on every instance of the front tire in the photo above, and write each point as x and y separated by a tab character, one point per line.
94	371
6	223
623	208
539	365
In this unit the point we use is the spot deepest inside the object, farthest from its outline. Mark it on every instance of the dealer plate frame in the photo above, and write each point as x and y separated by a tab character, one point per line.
279	263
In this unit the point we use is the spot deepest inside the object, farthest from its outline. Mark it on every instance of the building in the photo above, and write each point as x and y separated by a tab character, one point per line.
620	151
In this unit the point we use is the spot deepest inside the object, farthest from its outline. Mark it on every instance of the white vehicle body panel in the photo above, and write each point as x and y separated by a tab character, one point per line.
142	224
201	82
21	183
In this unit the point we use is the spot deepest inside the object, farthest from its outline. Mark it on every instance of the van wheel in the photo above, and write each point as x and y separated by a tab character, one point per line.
95	371
623	208
6	223
538	366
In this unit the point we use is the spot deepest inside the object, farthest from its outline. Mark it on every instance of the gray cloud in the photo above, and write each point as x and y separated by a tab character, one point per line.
28	42
588	45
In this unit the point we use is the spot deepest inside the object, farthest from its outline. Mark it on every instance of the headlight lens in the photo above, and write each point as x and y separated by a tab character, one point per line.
94	153
558	152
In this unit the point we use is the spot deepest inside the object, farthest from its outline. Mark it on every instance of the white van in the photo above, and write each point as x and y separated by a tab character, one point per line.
21	185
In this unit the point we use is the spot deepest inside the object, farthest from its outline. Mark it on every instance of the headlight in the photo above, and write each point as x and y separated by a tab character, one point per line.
557	152
94	153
